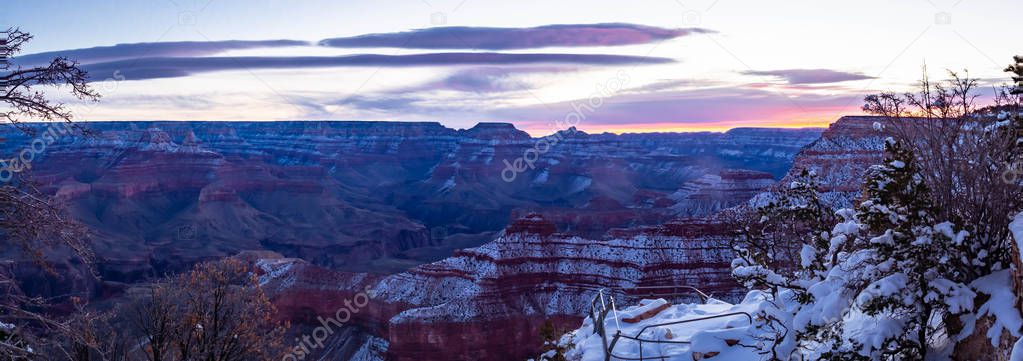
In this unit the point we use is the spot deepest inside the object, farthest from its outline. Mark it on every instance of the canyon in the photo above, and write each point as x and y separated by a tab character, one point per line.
458	263
376	197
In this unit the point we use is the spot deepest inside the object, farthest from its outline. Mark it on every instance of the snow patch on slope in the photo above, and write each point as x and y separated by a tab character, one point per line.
1001	306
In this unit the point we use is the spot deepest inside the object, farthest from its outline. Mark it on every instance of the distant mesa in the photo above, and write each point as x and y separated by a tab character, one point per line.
496	131
532	223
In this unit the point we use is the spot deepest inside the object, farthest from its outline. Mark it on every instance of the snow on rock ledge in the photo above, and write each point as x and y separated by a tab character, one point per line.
726	338
1001	306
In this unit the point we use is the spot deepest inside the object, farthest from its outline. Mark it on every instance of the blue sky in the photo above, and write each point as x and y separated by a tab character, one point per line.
686	65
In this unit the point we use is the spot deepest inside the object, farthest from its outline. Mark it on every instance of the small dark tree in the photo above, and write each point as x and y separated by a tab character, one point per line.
1017	77
551	350
153	318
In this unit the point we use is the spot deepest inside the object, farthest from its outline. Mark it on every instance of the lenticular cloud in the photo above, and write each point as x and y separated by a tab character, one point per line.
489	38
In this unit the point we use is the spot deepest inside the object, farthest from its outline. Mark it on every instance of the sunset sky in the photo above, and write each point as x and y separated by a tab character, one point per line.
651	65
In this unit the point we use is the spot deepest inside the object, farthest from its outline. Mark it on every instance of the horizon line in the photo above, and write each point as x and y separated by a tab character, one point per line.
647	128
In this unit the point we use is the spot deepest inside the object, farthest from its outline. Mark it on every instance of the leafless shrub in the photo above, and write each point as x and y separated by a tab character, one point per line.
216	312
34	224
963	150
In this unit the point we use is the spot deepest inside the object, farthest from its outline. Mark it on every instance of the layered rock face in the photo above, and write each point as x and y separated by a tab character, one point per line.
841	158
488	303
712	193
364	196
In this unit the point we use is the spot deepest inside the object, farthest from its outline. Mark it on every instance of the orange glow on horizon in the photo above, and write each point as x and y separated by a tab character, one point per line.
691	127
701	127
821	118
684	128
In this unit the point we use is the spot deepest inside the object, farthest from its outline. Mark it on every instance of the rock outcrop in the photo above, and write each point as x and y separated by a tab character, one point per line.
714	192
841	158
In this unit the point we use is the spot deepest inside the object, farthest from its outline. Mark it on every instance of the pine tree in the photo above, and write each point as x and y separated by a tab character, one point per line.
1017	70
905	285
1009	100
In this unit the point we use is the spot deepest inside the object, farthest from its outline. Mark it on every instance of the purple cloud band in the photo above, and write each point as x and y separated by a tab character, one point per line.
176	59
152	68
724	105
702	106
810	76
487	38
146	50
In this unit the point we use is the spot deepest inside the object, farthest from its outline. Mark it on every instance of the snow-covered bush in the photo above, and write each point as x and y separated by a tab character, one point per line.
882	281
785	241
892	287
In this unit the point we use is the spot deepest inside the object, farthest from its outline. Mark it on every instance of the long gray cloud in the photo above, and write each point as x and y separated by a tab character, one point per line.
487	79
810	76
152	68
489	38
145	50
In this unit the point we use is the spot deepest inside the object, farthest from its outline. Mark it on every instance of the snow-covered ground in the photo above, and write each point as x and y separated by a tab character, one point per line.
735	338
726	338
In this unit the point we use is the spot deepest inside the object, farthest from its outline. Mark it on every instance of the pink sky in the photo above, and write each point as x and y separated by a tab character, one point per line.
692	65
